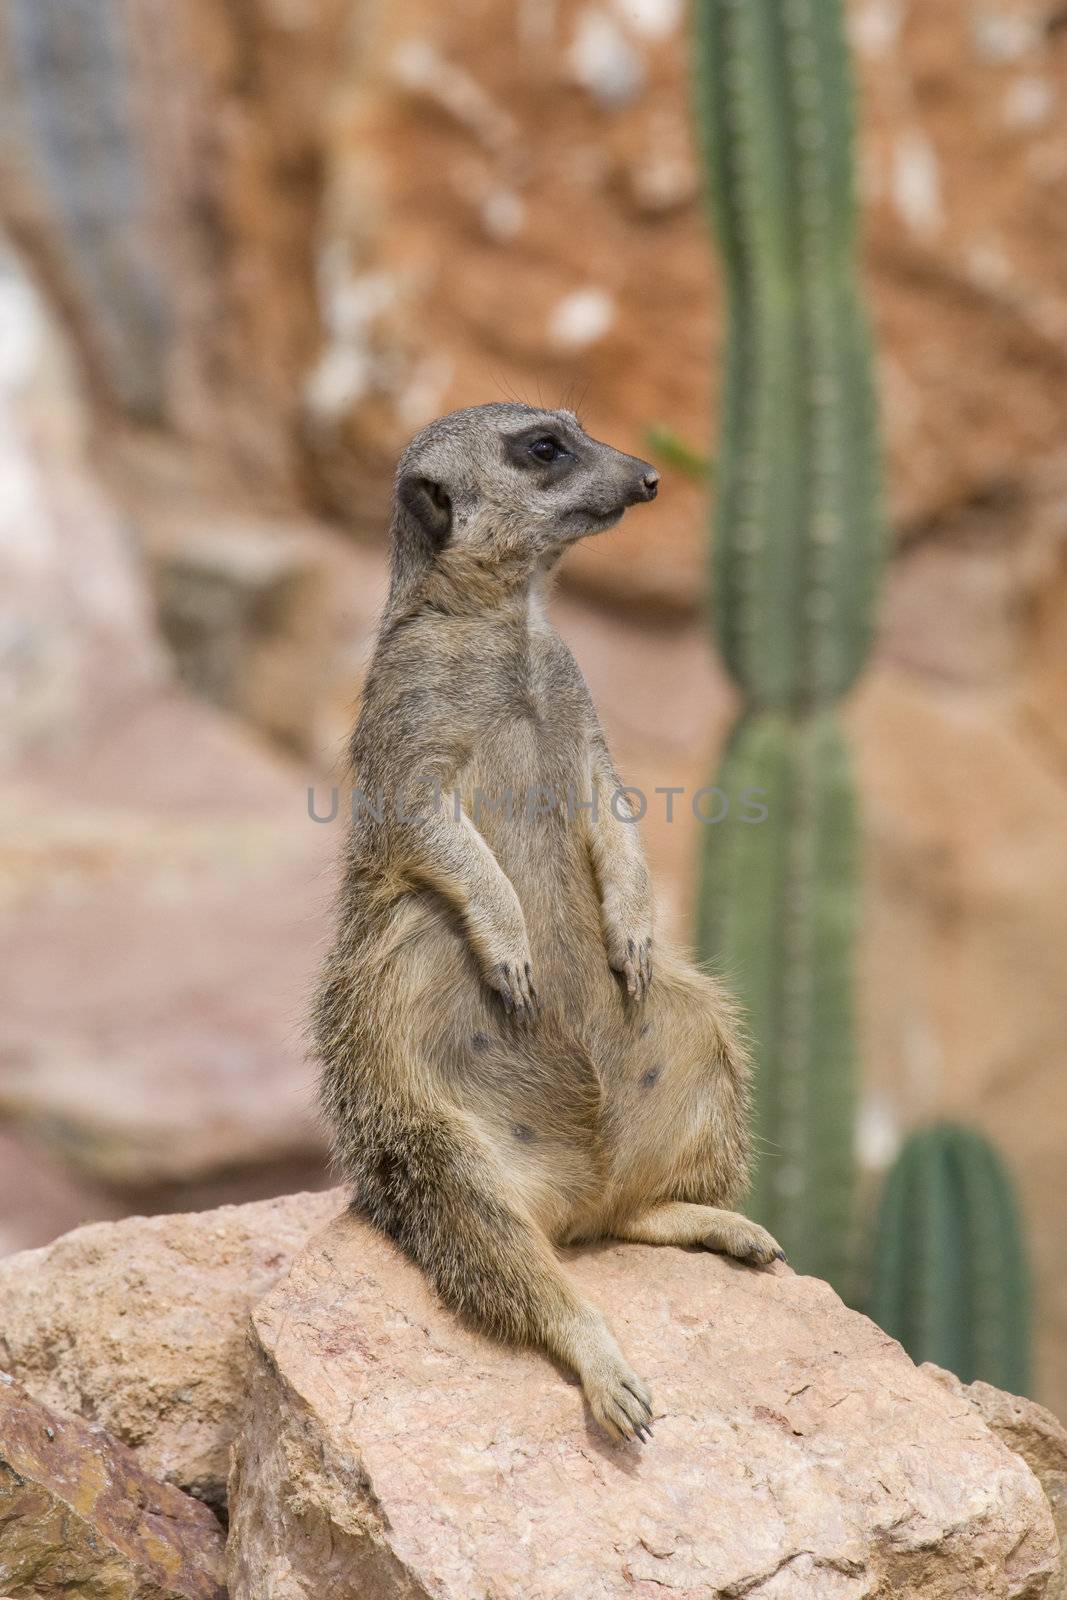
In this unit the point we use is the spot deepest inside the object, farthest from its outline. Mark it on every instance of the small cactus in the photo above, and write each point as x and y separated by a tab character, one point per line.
795	567
949	1276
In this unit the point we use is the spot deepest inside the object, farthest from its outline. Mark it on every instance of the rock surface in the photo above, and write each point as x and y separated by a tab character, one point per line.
160	172
160	1360
270	619
473	168
171	872
1033	1433
798	1454
76	638
79	1516
161	885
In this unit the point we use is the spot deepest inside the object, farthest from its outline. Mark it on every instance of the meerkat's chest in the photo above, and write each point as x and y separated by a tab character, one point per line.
526	782
530	754
528	791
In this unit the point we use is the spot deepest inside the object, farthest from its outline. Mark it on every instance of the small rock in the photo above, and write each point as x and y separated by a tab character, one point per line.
1029	102
242	608
663	185
79	1516
140	1326
874	27
602	59
798	1452
581	319
503	215
916	183
999	36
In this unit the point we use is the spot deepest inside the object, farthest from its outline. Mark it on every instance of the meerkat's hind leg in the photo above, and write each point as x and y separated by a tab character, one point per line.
681	1222
433	1185
617	1397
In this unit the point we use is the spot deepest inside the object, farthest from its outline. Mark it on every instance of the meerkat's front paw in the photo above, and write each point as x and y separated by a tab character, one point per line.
513	982
631	957
734	1235
618	1399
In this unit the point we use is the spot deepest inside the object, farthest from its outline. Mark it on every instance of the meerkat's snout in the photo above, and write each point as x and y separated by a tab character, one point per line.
622	479
605	483
649	484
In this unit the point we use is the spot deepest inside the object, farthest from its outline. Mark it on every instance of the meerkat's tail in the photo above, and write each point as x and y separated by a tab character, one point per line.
432	1183
427	1180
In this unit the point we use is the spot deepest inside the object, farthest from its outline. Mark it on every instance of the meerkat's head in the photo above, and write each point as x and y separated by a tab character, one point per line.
496	493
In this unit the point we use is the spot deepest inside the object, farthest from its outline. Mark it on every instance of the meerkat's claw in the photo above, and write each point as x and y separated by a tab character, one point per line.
513	982
618	1399
634	966
747	1241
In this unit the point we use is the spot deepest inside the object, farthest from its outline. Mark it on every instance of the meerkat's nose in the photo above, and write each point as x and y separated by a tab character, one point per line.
651	483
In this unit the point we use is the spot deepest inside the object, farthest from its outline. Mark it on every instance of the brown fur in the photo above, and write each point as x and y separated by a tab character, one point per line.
481	1125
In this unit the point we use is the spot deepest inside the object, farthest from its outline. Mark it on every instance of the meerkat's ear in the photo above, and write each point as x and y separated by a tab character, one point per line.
425	510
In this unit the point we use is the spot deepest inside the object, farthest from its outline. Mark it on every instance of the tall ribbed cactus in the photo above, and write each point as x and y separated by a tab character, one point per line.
799	541
797	555
949	1276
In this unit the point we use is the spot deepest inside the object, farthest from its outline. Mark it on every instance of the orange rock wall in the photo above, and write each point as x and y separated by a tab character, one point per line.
512	205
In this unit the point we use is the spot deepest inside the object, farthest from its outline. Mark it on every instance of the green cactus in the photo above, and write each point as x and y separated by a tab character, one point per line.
797	557
779	909
949	1277
800	527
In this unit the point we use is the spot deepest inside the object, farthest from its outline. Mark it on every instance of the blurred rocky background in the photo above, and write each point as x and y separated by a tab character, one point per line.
248	249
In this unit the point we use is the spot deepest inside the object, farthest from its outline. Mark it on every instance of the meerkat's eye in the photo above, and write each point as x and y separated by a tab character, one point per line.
547	449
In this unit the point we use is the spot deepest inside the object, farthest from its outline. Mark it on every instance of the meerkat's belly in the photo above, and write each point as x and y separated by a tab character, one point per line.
596	1073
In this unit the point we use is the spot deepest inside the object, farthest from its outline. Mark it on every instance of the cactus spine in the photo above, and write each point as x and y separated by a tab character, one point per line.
797	556
949	1278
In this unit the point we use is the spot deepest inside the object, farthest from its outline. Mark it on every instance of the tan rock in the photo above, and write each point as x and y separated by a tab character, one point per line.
169	870
271	619
798	1453
161	885
79	1516
140	1326
1033	1433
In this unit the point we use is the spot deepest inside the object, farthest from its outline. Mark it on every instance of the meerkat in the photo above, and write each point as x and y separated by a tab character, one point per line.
510	1060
